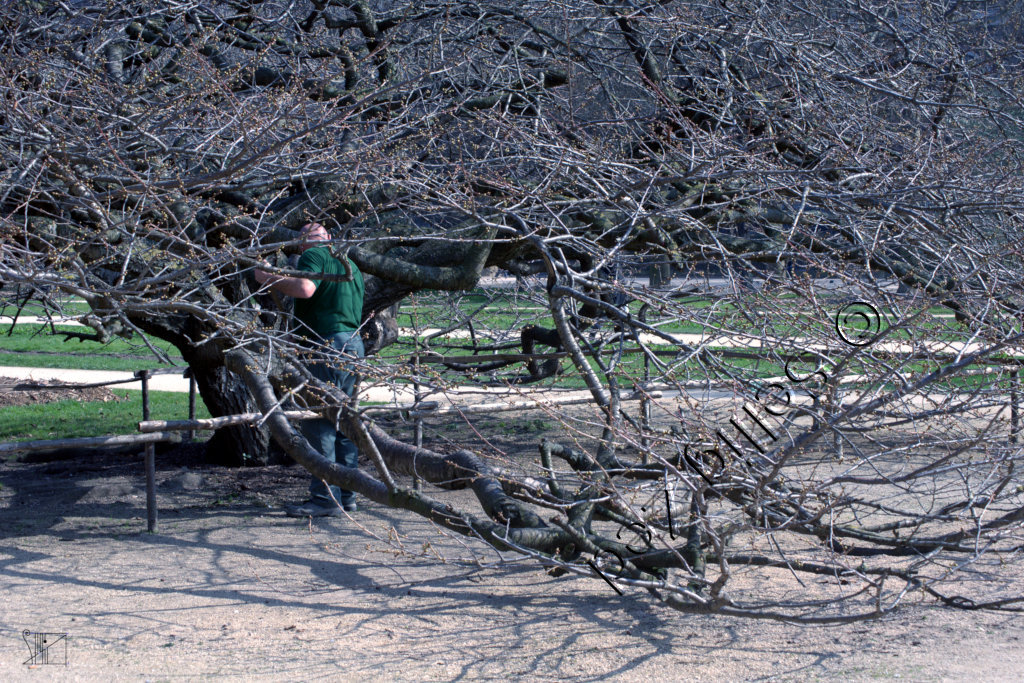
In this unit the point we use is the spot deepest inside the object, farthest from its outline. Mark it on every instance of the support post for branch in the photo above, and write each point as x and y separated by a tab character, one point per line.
150	458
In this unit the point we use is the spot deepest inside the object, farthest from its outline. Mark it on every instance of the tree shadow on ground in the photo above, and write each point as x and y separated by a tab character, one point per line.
243	557
243	554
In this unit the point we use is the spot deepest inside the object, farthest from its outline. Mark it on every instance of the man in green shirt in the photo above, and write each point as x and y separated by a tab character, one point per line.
329	312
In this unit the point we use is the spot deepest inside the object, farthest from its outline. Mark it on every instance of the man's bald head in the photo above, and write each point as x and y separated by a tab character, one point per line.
311	233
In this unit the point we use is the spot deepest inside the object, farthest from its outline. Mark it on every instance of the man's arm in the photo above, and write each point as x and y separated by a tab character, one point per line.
297	287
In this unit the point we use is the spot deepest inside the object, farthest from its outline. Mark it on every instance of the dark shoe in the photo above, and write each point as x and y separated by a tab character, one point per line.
311	509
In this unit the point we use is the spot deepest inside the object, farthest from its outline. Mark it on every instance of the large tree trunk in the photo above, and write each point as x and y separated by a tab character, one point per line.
224	393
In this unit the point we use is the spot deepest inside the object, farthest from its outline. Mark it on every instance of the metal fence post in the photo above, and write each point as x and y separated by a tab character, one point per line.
1014	414
190	435
150	457
645	399
417	395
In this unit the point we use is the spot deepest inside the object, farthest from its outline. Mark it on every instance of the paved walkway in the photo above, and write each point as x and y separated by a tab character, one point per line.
37	320
163	382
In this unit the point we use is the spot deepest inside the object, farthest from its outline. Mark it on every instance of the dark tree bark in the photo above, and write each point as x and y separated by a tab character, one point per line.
224	393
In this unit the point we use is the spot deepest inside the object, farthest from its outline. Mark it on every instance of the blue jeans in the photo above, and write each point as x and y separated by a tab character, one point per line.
321	434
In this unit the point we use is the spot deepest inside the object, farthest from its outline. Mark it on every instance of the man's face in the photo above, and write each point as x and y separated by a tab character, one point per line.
312	233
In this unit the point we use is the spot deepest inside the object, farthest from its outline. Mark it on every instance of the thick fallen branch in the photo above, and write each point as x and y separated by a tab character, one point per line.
461	469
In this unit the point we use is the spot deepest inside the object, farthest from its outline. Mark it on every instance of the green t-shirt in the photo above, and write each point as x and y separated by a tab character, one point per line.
336	306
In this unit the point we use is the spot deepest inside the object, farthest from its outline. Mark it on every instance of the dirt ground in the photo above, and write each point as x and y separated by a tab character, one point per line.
231	588
15	392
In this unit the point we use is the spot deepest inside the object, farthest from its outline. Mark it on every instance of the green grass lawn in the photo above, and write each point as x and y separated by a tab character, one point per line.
71	419
35	346
69	307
